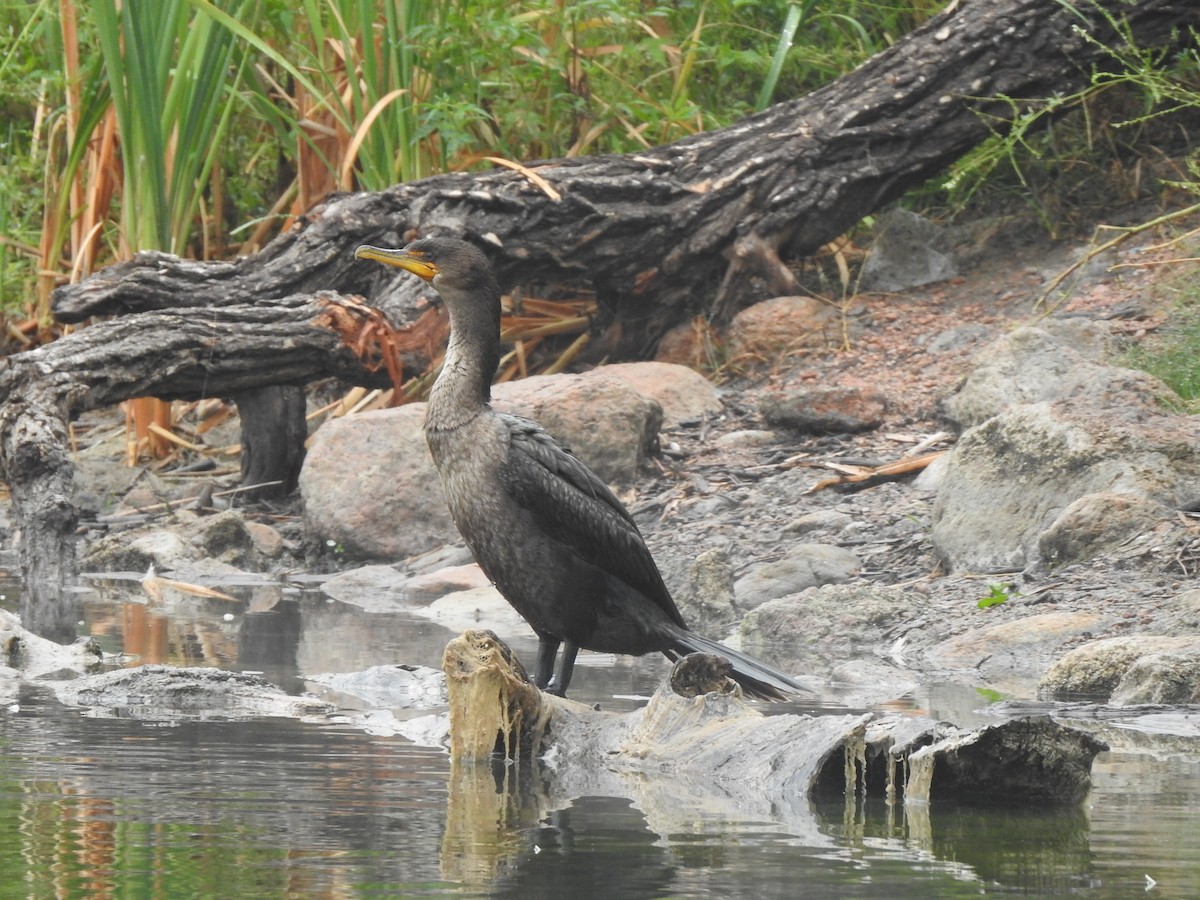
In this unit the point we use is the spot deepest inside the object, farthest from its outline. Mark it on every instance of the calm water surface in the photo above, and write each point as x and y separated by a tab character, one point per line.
103	807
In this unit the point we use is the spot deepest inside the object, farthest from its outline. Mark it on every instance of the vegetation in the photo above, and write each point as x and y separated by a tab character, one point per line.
1173	353
202	126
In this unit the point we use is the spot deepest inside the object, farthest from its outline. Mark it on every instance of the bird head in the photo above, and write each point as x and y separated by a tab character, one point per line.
444	262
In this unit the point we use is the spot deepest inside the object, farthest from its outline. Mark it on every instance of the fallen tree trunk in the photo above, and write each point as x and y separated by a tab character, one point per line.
671	231
170	353
698	727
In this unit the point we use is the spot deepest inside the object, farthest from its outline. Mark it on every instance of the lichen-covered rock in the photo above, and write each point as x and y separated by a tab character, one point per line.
187	544
1097	668
801	567
707	598
1097	522
1172	678
832	622
1010	479
1034	364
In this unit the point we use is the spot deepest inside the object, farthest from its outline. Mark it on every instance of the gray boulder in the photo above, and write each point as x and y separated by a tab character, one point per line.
707	598
908	251
1058	359
1172	678
1012	493
801	567
1134	668
833	622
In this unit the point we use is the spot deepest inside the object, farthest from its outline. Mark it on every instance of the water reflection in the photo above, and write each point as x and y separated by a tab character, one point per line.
104	807
51	612
598	846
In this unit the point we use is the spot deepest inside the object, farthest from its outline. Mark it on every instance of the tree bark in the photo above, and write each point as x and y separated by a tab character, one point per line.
273	432
173	354
671	231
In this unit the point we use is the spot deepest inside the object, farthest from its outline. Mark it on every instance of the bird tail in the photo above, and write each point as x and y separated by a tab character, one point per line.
758	680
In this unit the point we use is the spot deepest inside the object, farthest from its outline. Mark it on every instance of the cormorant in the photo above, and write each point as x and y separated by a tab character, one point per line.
544	528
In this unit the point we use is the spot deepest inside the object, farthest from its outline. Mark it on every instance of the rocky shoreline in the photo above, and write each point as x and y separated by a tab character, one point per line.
1052	549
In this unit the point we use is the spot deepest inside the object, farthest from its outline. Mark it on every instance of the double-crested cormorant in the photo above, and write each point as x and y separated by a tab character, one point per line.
543	527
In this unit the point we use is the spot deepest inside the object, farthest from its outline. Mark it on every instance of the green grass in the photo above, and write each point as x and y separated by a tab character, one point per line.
1173	353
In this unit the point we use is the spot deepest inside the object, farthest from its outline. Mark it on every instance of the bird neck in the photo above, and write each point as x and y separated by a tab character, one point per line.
463	388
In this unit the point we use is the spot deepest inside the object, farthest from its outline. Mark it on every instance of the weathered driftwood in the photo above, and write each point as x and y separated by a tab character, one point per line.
698	727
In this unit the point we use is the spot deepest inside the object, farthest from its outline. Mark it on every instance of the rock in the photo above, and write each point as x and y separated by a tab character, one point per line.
802	567
381	588
393	687
933	475
374	589
169	693
818	520
690	344
370	489
908	251
481	607
684	394
1014	647
776	328
268	543
1094	523
136	552
746	438
959	337
866	682
1172	678
195	547
440	582
824	410
1051	362
1099	667
1010	479
707	602
223	537
832	622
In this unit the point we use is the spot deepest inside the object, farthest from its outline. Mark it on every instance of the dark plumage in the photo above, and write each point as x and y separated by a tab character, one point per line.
543	527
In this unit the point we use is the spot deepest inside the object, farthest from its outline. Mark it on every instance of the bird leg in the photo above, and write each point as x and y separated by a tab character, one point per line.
566	667
547	650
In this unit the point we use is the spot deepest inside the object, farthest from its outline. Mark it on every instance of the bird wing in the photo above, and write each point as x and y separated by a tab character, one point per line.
573	505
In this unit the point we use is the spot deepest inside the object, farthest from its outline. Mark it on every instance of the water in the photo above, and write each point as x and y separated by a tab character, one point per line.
102	807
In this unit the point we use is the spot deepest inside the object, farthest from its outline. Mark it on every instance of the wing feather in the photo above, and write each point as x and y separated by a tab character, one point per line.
574	506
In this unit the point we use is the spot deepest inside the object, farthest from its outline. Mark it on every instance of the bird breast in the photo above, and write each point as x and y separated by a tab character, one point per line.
469	459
